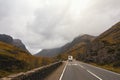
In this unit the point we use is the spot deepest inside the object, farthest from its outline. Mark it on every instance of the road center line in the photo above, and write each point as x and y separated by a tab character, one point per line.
94	75
63	71
81	66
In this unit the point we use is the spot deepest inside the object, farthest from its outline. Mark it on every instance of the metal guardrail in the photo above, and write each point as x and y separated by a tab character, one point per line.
35	74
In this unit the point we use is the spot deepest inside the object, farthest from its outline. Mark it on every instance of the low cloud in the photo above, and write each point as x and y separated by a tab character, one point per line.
42	24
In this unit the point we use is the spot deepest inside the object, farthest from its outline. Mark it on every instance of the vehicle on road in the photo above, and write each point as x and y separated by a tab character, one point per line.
70	58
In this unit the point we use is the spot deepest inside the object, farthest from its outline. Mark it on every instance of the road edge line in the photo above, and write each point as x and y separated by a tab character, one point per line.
63	72
100	68
94	75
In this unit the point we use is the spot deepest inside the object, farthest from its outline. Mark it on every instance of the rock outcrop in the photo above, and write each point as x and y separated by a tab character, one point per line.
105	49
16	42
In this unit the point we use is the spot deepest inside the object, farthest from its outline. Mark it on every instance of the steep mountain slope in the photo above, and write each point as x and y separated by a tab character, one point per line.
6	38
77	42
19	43
112	35
49	52
66	48
78	46
14	60
16	42
105	49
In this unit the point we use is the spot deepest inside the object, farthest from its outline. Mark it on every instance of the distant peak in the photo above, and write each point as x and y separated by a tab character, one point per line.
84	36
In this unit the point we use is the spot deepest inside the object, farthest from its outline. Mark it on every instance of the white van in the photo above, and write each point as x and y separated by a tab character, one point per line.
70	58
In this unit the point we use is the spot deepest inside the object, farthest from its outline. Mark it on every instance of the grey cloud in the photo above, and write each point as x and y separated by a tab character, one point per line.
4	8
99	16
52	23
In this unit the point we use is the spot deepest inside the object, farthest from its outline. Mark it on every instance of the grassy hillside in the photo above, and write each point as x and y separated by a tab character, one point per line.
104	50
77	46
13	60
112	35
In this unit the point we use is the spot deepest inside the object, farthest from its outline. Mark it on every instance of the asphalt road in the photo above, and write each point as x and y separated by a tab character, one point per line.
81	71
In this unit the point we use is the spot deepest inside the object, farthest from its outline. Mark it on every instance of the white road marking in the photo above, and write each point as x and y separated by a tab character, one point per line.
70	64
94	75
75	64
81	66
101	69
63	71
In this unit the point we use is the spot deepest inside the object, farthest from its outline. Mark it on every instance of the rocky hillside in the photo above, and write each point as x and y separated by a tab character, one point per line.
76	43
19	43
78	46
6	38
14	60
16	42
105	49
49	52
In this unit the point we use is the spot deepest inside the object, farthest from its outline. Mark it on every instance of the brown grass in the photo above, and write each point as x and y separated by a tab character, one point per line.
10	54
108	67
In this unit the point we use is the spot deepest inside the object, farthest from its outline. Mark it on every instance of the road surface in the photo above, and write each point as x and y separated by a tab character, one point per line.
81	71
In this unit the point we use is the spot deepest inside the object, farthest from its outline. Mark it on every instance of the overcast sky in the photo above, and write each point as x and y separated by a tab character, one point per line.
43	24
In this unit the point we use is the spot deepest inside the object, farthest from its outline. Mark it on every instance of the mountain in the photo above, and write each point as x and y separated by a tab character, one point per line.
6	38
105	49
16	42
19	43
49	52
78	45
14	59
77	41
